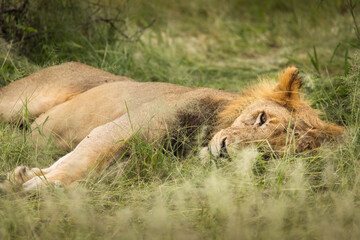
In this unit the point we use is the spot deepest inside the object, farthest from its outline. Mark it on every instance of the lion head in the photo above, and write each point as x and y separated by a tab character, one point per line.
277	118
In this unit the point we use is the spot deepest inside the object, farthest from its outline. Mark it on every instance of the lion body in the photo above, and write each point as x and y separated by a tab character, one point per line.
97	113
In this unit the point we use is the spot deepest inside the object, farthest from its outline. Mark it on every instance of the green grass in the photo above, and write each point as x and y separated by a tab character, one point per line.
221	44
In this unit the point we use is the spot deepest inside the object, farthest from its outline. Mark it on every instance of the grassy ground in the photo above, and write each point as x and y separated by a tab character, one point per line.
221	44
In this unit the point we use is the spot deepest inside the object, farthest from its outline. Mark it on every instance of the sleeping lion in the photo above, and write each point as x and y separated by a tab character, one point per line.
94	114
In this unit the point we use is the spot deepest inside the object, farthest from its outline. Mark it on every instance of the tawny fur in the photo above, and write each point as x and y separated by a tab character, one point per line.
94	114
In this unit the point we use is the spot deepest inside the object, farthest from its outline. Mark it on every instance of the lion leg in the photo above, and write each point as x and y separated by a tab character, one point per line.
93	153
105	143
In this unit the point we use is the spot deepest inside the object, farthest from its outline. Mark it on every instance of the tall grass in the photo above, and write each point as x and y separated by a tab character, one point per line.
153	194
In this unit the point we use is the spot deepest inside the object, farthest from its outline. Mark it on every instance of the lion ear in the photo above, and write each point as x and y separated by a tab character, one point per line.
288	88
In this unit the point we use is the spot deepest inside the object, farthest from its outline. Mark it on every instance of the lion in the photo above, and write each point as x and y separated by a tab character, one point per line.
93	115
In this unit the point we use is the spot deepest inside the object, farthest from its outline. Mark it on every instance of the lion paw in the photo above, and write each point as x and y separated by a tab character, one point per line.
22	174
38	183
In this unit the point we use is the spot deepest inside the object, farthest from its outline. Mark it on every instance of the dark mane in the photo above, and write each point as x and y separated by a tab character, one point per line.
195	125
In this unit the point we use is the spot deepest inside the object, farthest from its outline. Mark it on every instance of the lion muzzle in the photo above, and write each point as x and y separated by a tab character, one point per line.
218	145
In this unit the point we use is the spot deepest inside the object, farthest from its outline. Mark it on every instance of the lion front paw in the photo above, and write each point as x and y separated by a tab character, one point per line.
19	175
22	174
38	183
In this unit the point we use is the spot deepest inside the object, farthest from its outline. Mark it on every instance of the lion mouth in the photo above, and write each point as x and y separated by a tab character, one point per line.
223	149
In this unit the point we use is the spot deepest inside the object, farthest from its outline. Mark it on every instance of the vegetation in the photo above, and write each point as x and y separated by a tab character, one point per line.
221	44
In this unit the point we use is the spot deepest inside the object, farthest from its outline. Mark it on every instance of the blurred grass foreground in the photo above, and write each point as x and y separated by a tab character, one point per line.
222	44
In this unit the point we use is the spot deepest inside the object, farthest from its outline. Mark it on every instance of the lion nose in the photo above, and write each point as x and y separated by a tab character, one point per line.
223	150
218	145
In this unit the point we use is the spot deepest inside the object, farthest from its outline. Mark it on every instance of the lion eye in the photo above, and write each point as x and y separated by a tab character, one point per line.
261	119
